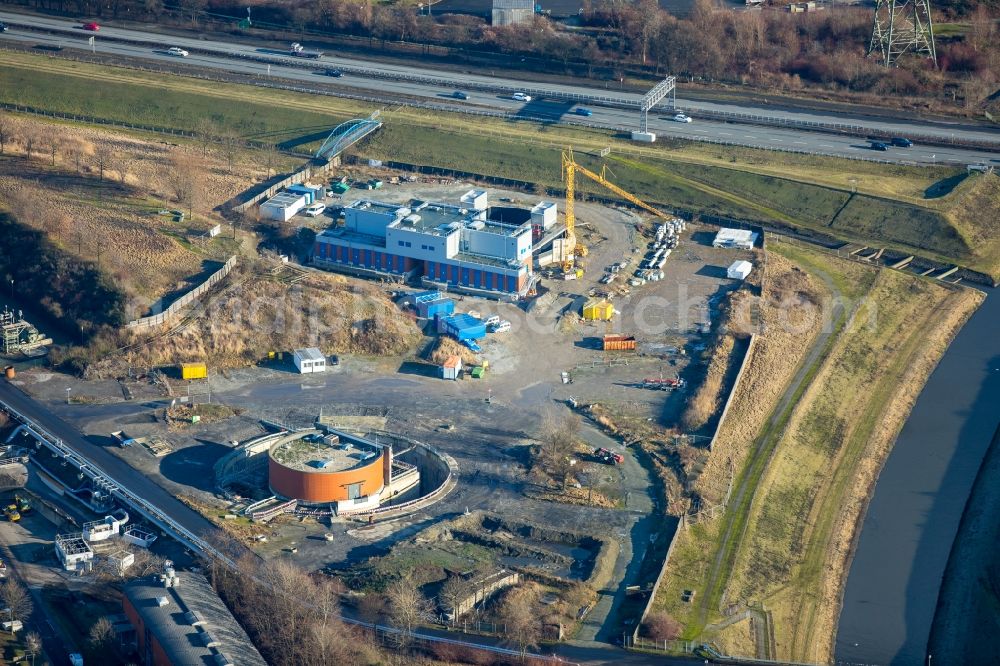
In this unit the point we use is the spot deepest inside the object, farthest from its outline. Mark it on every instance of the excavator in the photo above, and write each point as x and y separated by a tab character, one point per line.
569	169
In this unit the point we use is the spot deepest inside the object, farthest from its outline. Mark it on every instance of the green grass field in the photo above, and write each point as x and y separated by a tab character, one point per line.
890	209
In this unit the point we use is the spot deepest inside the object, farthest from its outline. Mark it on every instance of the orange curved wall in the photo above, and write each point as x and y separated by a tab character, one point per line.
322	486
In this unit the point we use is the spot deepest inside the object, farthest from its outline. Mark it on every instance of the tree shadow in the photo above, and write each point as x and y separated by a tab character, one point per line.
945	186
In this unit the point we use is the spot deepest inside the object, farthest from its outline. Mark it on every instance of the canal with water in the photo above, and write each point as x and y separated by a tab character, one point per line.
893	585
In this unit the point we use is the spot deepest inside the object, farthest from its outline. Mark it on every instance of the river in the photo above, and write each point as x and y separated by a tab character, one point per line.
893	585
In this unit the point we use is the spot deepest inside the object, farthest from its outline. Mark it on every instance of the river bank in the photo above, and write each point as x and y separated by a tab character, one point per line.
911	523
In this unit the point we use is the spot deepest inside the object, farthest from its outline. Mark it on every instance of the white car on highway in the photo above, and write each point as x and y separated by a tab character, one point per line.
682	118
315	209
520	97
177	51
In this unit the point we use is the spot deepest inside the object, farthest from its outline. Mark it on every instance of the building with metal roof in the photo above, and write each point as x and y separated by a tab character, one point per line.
743	239
181	621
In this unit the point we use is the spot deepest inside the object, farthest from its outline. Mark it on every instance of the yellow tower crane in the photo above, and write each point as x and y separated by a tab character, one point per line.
569	169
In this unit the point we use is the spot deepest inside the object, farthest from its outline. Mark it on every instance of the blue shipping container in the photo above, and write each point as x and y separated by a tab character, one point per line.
443	307
464	327
309	194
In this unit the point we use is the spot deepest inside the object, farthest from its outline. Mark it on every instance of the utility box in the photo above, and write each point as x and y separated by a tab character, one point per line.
644	137
194	371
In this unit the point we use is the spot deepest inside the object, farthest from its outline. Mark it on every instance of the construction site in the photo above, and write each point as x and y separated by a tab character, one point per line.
484	391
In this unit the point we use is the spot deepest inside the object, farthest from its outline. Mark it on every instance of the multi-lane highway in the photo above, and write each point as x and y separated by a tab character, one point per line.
556	103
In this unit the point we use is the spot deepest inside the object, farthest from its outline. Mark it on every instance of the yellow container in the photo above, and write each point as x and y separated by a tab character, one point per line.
598	311
194	371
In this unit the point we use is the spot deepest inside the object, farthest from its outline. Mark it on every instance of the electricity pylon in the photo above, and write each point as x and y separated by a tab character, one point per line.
902	26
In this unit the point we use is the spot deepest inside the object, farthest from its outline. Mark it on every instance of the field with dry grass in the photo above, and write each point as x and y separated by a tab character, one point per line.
794	551
257	313
97	194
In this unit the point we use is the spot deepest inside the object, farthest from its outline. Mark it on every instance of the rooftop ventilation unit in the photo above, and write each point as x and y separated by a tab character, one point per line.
207	639
162	601
222	660
194	618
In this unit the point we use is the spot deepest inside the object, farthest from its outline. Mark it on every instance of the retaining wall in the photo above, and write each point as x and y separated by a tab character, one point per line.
185	300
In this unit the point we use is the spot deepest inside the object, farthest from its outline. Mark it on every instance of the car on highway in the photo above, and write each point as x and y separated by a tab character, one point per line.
580	111
177	51
93	27
315	209
520	97
458	94
900	142
3	27
681	117
879	145
335	73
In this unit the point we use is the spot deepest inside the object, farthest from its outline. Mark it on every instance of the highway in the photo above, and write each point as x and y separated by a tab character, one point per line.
557	103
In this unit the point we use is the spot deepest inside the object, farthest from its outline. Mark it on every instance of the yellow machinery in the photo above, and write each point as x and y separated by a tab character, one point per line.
569	168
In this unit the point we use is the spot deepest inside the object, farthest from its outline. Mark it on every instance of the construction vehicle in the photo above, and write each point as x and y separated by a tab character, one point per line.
569	169
23	503
13	515
608	457
662	384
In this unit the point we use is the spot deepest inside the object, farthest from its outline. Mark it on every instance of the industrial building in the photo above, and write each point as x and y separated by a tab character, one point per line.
469	247
283	206
179	619
742	239
512	12
73	552
335	469
309	360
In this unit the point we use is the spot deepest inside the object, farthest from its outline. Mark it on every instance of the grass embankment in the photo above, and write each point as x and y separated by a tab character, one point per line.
890	208
786	542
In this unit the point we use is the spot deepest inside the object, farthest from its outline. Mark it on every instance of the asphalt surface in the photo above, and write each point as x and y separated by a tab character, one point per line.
437	87
114	467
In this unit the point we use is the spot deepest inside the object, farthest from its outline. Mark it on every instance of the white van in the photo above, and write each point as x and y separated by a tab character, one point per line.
502	327
315	209
493	321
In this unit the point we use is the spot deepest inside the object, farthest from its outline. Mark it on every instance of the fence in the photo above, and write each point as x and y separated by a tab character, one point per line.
301	176
658	581
185	300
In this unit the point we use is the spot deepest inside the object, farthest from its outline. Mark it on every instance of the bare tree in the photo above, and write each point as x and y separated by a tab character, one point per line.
270	158
371	607
558	443
16	599
121	162
7	128
206	131
407	605
519	614
29	135
102	158
101	632
53	142
452	593
186	180
231	144
33	645
661	626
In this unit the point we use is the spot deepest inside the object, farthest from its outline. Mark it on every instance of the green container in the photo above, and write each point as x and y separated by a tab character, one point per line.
477	373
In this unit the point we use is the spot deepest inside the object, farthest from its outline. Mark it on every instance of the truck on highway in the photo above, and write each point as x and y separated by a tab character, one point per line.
299	51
